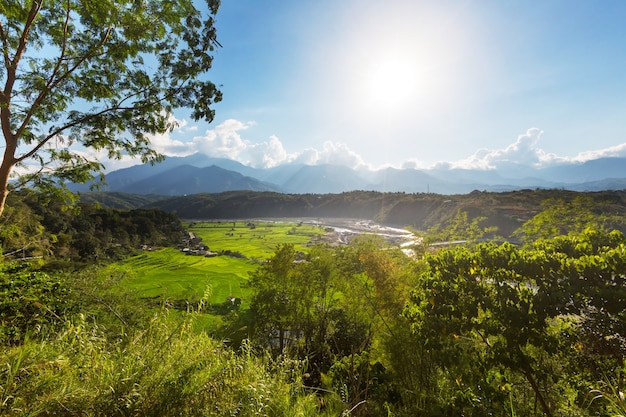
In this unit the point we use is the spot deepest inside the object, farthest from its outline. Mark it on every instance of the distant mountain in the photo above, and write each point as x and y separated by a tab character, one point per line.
187	179
322	179
413	181
202	174
594	170
178	180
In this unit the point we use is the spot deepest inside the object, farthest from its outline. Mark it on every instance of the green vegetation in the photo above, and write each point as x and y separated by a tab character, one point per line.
505	211
254	239
164	369
103	75
473	328
170	275
39	225
531	324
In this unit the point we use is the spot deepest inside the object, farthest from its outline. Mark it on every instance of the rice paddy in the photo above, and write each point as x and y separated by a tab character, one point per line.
171	275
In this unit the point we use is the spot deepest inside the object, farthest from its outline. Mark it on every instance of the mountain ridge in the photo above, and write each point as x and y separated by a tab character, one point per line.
198	173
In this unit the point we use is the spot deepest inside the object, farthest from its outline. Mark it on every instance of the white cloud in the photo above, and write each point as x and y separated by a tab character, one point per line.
614	151
163	143
180	123
523	151
331	153
414	164
226	140
267	154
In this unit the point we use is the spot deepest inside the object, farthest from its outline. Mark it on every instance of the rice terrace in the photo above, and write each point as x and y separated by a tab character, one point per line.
218	259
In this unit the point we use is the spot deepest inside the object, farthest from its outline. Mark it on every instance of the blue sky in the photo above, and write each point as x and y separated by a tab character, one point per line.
413	83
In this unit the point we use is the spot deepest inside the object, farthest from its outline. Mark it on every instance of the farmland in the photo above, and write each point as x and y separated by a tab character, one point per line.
169	275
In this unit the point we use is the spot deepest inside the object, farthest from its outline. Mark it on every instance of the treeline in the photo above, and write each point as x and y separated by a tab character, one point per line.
506	211
36	225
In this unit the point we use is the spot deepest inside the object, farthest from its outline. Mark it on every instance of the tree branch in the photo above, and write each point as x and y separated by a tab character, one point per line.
91	116
32	14
5	48
53	83
27	179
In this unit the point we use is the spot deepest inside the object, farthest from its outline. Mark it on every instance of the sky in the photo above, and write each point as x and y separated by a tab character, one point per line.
409	83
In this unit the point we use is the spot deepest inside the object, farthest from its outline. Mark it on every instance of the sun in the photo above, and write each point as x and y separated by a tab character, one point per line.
390	82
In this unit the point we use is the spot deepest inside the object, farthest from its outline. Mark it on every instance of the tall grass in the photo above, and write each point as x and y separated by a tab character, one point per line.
611	395
166	369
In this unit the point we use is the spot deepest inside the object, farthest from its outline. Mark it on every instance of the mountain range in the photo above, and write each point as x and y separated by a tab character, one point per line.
199	173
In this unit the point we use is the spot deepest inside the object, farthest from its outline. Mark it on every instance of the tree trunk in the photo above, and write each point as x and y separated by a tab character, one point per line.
10	140
5	172
542	401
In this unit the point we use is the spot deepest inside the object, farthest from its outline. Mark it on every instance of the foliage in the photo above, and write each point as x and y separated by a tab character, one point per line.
37	225
104	75
487	329
21	232
30	301
459	228
497	317
560	217
170	276
506	211
610	392
338	309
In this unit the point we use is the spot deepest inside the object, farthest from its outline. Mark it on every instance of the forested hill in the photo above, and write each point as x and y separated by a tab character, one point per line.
35	225
506	210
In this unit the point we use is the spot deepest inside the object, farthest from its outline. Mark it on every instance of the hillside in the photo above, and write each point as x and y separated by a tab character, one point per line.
505	210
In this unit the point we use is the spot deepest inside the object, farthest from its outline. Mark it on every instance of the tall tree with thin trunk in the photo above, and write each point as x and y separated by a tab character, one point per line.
102	75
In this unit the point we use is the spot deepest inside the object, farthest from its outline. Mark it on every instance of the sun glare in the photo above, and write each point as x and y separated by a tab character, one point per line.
390	83
396	68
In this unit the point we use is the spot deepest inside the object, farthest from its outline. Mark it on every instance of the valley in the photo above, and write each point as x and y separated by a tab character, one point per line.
234	249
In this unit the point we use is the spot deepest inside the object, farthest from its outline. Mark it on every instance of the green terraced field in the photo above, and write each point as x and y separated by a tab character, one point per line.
170	275
259	242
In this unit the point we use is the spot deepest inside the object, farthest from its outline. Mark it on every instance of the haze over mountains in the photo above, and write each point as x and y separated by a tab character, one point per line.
199	173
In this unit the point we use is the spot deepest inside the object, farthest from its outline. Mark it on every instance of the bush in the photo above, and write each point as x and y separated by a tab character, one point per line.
29	302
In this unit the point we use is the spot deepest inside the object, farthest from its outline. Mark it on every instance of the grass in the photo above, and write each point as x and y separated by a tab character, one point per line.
166	369
257	242
170	275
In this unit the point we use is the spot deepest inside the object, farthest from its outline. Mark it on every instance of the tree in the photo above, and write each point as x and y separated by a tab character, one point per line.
560	217
272	305
101	74
459	228
21	232
495	314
